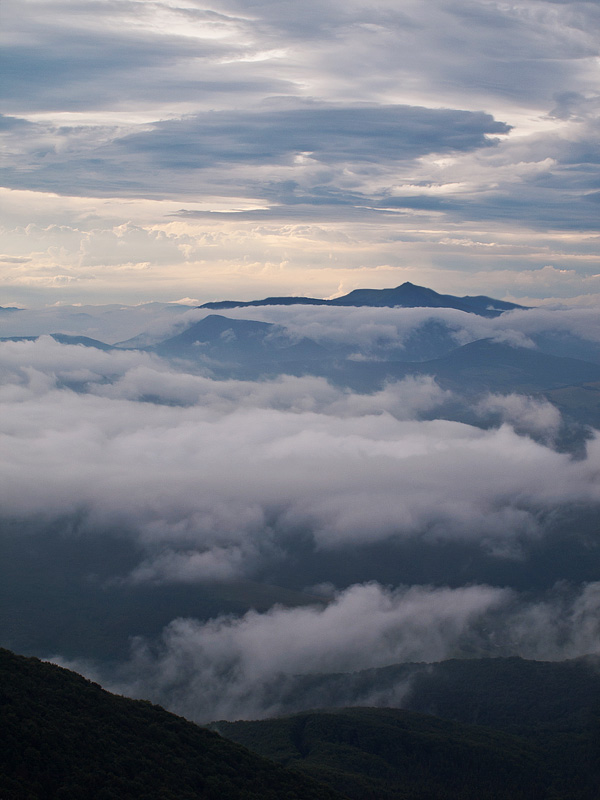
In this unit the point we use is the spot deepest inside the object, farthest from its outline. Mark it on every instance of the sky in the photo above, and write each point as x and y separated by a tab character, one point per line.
191	151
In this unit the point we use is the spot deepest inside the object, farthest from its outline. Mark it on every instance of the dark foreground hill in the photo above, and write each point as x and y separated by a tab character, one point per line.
64	737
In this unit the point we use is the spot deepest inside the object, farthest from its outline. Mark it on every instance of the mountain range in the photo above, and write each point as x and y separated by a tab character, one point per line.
407	295
250	349
555	364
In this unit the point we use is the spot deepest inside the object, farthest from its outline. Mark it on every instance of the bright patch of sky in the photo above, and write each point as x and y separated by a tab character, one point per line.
235	148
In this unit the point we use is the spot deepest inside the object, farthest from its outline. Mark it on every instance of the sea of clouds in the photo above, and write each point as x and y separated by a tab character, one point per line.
214	480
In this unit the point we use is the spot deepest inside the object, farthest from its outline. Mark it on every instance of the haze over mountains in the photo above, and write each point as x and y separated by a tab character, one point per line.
204	508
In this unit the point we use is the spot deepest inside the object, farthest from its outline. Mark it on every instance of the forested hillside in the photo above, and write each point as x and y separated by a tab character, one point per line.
392	754
62	736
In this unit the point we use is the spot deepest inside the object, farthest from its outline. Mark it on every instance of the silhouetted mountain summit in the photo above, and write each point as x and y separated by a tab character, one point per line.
407	295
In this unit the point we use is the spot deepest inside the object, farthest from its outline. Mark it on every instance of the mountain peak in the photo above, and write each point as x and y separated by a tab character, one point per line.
407	295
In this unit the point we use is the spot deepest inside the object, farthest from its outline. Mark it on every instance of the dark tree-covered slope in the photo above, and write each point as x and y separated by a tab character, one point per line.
529	728
391	754
512	694
64	737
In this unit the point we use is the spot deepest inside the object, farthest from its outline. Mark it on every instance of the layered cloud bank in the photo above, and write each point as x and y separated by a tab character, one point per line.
208	474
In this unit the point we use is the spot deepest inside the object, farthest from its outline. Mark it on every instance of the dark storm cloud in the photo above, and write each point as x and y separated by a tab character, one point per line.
328	134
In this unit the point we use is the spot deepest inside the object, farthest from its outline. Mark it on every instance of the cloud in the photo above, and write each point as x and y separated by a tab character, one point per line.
217	477
109	323
233	667
514	339
213	481
372	332
328	134
366	329
370	329
340	137
252	666
158	150
565	625
403	399
525	414
309	139
85	61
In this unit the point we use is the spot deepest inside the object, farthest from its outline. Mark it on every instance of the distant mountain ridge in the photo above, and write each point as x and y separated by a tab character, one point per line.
252	349
391	754
407	295
238	340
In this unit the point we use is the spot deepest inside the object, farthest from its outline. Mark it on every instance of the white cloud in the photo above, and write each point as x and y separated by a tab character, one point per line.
249	667
216	480
233	667
525	414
